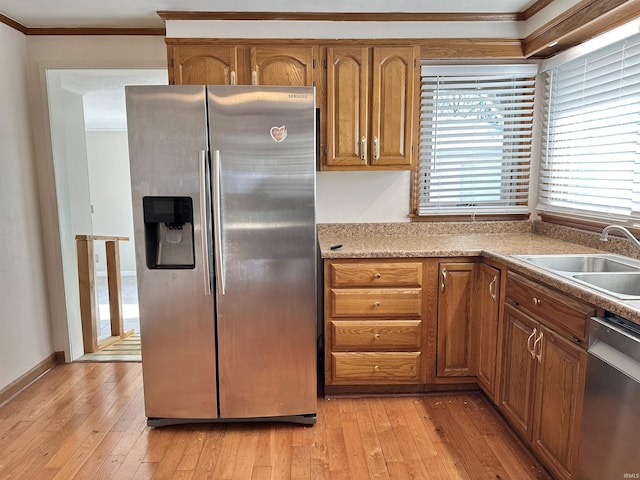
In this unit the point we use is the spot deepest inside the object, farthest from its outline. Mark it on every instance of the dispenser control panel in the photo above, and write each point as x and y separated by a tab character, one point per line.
168	228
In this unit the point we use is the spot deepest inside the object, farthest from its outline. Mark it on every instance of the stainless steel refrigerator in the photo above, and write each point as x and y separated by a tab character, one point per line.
223	182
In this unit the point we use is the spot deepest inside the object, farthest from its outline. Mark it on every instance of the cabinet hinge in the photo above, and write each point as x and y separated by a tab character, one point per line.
415	63
326	150
411	148
313	62
324	62
172	63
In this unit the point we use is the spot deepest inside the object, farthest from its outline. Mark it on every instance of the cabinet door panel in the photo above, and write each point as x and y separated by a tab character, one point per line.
394	83
347	104
559	391
517	370
279	65
454	356
204	65
487	307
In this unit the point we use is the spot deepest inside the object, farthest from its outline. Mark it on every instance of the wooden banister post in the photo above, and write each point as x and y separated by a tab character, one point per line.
86	282
115	288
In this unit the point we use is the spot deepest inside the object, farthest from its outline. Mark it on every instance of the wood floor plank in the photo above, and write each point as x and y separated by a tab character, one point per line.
353	440
85	421
372	449
386	435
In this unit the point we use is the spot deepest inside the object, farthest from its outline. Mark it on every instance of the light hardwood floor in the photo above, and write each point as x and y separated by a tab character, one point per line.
86	421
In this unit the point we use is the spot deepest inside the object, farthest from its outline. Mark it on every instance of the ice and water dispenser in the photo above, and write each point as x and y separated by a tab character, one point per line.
168	231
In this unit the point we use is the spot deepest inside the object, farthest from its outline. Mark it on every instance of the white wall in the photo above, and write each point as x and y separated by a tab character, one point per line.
110	185
45	52
25	330
363	197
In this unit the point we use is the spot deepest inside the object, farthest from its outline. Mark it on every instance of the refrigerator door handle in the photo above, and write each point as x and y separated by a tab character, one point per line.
203	223
217	225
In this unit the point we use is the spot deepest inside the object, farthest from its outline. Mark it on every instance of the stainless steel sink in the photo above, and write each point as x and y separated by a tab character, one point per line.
581	263
616	275
623	285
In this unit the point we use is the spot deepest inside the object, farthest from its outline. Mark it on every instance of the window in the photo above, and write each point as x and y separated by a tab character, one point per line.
590	152
475	139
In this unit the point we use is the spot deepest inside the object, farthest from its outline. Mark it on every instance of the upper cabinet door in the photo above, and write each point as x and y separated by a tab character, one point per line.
347	105
203	65
281	65
394	84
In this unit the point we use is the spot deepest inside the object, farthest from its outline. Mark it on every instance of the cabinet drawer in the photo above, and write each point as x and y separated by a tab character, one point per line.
369	367
381	302
380	274
553	307
376	334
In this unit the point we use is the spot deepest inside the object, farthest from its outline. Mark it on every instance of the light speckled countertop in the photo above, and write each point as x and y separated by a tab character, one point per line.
416	242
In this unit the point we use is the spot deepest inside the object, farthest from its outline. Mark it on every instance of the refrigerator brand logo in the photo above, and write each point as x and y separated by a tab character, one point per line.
279	133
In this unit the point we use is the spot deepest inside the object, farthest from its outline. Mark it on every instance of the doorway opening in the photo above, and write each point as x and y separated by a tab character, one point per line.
91	163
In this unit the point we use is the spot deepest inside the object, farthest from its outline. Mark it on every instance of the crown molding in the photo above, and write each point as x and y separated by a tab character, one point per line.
13	24
344	17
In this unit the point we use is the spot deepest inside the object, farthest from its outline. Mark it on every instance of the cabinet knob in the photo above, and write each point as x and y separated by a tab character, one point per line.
376	336
536	301
377	275
377	304
377	368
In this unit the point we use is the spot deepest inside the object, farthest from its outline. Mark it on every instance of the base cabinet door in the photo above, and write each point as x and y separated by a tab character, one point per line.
487	311
518	369
559	387
455	355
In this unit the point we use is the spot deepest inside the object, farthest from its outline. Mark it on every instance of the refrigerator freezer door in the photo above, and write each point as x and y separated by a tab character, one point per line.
267	314
167	132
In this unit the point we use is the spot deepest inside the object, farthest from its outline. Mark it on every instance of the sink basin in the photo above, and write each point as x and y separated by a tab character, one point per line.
623	285
615	275
583	263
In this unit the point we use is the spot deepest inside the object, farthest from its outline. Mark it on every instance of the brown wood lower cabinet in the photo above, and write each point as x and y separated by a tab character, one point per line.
543	373
373	323
398	326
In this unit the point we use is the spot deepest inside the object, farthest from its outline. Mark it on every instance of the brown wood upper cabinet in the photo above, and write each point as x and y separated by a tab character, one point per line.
371	93
231	65
279	65
203	65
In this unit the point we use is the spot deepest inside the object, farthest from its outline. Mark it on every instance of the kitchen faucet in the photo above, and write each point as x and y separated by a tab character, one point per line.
605	234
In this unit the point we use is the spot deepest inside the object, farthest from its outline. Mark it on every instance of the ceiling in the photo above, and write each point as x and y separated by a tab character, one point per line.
142	13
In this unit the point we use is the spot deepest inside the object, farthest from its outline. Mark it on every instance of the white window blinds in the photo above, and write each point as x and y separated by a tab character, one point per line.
475	139
590	156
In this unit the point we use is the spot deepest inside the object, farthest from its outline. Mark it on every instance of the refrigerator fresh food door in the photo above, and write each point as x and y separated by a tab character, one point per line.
169	174
263	149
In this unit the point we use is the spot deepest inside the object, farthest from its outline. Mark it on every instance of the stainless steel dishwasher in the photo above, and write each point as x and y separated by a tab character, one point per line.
611	415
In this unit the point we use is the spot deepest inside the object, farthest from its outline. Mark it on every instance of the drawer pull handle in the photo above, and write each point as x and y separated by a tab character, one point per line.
535	348
492	288
377	275
377	304
363	149
536	301
377	368
376	336
531	351
443	282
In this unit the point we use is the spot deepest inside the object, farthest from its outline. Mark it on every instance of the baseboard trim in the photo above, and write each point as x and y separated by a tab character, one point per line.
25	380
